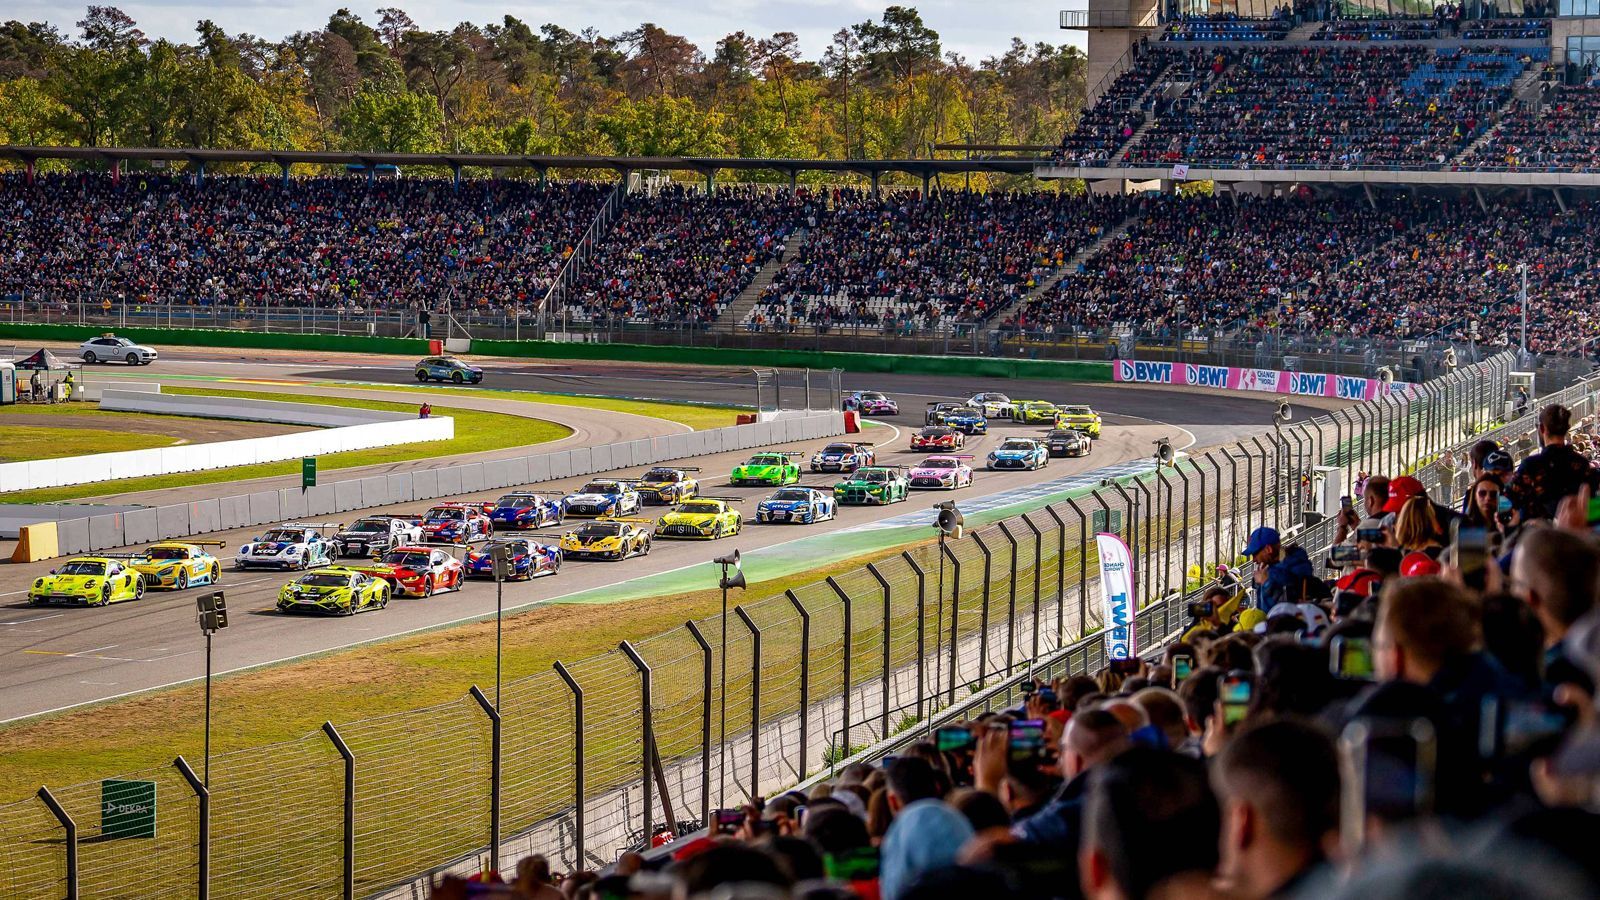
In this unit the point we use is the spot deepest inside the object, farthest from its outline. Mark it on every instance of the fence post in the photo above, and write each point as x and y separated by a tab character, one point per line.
1038	563
646	731
1216	528
805	679
1011	603
887	623
1061	566
203	840
983	614
1359	457
849	645
1265	481
348	888
1183	549
70	828
955	608
755	700
705	721
1166	533
494	775
577	751
922	629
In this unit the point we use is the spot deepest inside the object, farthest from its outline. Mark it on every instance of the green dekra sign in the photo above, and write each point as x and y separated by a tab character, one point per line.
127	809
308	472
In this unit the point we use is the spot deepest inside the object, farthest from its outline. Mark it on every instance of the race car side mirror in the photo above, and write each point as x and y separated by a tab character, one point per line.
52	571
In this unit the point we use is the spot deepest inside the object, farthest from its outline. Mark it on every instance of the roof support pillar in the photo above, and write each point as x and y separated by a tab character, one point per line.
455	176
284	168
28	168
711	182
116	173
875	192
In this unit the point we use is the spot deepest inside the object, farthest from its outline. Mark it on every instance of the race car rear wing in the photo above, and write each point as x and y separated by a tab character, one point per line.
639	520
673	469
723	499
325	525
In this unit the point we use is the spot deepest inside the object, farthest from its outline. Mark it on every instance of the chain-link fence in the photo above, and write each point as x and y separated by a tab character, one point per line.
598	756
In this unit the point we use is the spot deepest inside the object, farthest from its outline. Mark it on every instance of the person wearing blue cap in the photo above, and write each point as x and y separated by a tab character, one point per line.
1282	574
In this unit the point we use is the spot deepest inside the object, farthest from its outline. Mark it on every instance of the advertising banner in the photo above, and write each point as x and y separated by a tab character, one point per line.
1116	586
1271	381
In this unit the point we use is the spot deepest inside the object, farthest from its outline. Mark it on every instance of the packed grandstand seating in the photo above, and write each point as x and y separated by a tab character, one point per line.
1229	27
1385	29
1111	122
1559	132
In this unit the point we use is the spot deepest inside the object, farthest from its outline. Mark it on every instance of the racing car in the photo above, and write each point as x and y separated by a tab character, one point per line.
946	472
1019	453
703	517
87	581
448	368
522	509
843	457
608	538
994	405
371	536
871	403
1079	418
417	571
525	559
175	564
1067	442
602	497
766	468
969	420
667	484
1037	411
938	437
805	505
872	485
335	590
938	409
456	523
292	545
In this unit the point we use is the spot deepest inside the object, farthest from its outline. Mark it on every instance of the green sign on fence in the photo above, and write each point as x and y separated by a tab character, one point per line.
127	809
308	472
1102	526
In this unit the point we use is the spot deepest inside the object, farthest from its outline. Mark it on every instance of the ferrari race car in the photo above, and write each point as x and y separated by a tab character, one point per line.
87	581
946	472
448	368
804	505
994	405
335	590
766	468
1037	411
456	523
871	403
372	536
1019	453
175	564
417	571
969	420
521	509
292	545
611	538
703	517
1079	418
525	559
872	486
602	497
843	457
1067	442
665	484
938	437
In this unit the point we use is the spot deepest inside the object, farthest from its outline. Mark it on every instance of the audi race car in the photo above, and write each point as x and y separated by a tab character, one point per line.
456	523
334	590
417	571
525	559
766	468
292	545
994	405
87	581
942	472
1079	418
804	505
1019	453
1066	442
843	457
175	564
610	538
521	509
667	485
938	437
448	368
873	486
871	403
372	536
969	420
1037	412
602	497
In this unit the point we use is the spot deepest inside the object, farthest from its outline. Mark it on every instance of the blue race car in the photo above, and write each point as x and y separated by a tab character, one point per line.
526	559
1019	453
968	420
840	456
522	509
802	505
602	497
448	368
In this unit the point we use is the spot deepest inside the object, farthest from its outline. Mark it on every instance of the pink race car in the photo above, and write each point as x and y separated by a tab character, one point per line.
942	473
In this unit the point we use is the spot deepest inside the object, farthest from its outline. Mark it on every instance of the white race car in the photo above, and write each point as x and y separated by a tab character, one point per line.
994	405
602	497
292	545
942	472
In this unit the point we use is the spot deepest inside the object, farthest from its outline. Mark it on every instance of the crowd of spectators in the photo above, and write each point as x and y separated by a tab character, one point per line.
1381	29
1558	133
1230	27
1119	111
1520	29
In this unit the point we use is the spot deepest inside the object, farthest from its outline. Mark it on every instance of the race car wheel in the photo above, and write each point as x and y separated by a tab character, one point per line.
132	358
105	594
216	573
421	375
89	357
349	608
427	586
383	599
138	588
305	561
183	580
457	378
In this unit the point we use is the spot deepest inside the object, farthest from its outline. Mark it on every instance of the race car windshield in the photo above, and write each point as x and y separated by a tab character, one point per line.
791	495
838	448
601	487
326	579
939	464
1017	445
935	432
1063	435
590	532
513	547
284	537
874	476
969	411
446	515
767	460
82	568
693	508
167	553
664	477
872	395
409	560
368	526
1077	410
516	502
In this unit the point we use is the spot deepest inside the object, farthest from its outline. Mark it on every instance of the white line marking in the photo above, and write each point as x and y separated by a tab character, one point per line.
33	619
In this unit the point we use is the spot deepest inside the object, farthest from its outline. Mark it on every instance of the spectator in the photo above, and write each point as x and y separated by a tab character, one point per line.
1557	573
926	836
1417	529
1091	738
1281	575
1554	472
1150	828
534	881
1278	783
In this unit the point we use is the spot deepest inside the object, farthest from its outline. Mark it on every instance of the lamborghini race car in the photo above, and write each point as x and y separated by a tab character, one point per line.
766	468
1079	418
456	523
804	505
525	558
87	581
946	472
843	457
969	420
994	405
667	485
521	509
372	536
292	545
703	517
872	485
335	590
938	437
871	403
1019	453
1037	412
417	571
602	497
610	538
176	564
1067	442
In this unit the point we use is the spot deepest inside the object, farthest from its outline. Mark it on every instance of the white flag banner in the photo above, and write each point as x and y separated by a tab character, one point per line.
1116	586
1181	171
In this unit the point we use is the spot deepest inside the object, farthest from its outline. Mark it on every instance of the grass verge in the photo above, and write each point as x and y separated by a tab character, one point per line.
694	415
25	442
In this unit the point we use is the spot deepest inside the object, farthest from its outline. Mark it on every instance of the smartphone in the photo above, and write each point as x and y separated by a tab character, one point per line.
1389	767
952	738
1344	502
727	821
1344	554
1472	556
1234	690
1128	666
1351	658
1182	667
1369	535
1509	728
1027	741
1594	511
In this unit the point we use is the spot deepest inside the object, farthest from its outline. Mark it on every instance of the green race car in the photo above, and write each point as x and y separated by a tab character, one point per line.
776	469
1029	411
334	590
87	581
873	486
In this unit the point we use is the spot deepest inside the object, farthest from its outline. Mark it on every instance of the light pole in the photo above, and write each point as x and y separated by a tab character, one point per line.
949	523
499	556
212	610
727	581
1523	268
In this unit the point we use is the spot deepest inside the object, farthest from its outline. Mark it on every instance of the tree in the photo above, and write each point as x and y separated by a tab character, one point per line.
660	60
777	56
840	60
25	50
437	61
661	126
28	114
395	120
393	26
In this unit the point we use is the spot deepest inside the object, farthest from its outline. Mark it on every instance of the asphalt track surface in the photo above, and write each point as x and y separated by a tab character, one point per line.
54	658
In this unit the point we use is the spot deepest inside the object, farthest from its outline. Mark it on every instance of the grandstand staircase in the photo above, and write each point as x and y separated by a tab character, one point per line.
740	308
1524	89
1084	254
1303	32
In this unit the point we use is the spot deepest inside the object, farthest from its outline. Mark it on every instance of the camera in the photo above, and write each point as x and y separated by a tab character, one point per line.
1202	609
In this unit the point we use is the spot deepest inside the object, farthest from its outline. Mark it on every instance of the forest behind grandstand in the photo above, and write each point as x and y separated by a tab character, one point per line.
883	88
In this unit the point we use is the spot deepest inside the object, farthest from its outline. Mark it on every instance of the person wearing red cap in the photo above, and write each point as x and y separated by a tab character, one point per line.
1417	564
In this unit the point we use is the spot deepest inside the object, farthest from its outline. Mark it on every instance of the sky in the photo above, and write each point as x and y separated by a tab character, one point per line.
973	28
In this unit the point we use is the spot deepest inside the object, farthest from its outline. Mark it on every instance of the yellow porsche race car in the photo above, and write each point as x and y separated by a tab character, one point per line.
1033	411
607	538
87	581
707	518
1079	418
334	590
176	565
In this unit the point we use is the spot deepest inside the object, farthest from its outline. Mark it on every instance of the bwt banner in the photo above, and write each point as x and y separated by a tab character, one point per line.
1116	585
1271	381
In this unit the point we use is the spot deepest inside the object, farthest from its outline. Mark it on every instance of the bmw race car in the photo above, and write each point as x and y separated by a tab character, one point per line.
1019	453
703	517
1079	418
804	505
292	545
969	420
456	523
871	403
175	564
945	472
371	536
1066	442
766	468
525	559
448	368
994	405
521	509
666	484
1037	411
938	437
843	457
610	538
87	581
335	590
872	485
417	571
602	497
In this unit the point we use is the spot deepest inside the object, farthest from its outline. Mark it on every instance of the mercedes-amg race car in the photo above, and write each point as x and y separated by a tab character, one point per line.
602	497
803	505
448	368
456	523
525	559
292	545
1019	453
1037	411
871	403
611	538
708	518
667	485
522	509
1079	418
938	437
87	581
994	405
1067	442
334	590
843	457
417	571
942	472
766	468
873	486
372	536
175	564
